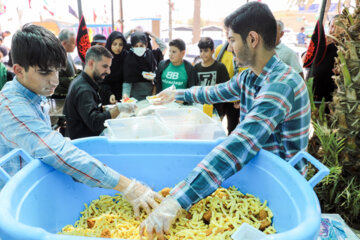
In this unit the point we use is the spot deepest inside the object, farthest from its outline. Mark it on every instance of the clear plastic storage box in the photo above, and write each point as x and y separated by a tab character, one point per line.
190	123
149	127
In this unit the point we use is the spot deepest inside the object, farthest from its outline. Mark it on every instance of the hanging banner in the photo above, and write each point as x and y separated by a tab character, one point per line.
82	39
317	47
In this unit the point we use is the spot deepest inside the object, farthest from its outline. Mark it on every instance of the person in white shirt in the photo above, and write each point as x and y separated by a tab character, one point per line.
286	54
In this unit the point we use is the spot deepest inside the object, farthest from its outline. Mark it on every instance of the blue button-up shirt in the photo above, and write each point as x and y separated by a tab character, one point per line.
274	115
25	123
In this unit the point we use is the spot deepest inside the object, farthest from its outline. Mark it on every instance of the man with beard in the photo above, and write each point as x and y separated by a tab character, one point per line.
274	114
83	110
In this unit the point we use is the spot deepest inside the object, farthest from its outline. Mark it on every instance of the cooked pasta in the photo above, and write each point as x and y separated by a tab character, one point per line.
215	217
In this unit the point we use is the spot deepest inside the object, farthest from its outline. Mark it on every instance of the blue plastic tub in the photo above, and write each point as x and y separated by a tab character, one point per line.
38	201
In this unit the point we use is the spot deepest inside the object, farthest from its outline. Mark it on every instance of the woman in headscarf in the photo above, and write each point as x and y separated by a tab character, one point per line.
139	62
111	88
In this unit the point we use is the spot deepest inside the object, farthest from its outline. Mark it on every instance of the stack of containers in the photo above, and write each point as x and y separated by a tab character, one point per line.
167	123
190	123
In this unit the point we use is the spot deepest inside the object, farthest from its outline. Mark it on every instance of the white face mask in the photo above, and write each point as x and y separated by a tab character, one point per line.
139	51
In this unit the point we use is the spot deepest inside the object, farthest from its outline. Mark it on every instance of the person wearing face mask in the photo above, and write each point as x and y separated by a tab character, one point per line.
83	109
111	88
139	59
158	52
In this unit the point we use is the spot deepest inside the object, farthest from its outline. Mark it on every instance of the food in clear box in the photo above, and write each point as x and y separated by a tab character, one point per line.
148	75
216	216
153	99
128	100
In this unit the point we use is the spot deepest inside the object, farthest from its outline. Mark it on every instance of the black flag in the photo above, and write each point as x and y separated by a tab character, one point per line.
82	39
317	47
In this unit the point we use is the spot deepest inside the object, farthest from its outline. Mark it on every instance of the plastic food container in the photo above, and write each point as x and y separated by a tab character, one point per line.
148	127
38	201
189	123
129	100
152	99
148	75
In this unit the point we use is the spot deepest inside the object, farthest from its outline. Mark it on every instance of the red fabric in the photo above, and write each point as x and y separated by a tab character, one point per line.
317	47
94	15
51	13
82	39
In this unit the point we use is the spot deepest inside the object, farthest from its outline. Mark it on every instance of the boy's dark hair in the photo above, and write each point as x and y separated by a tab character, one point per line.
254	16
98	38
96	53
36	46
205	43
180	44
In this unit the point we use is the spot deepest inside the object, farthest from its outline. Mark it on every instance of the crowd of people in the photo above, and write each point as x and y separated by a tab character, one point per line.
138	70
253	79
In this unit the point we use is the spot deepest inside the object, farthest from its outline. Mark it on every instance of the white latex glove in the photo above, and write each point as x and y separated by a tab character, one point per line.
161	218
166	96
126	107
141	196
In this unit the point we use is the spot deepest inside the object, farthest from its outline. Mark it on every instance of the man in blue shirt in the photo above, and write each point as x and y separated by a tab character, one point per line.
301	37
37	57
274	113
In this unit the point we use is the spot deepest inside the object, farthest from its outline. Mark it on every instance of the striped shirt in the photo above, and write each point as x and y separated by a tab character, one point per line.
25	123
274	115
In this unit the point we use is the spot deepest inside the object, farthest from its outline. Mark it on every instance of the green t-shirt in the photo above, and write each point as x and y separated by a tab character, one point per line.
174	75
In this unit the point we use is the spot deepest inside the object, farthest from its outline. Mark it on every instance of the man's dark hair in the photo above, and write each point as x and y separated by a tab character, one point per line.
36	46
254	16
96	53
180	44
205	43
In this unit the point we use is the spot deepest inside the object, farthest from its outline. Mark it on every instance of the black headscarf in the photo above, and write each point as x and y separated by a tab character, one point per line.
135	65
138	37
113	82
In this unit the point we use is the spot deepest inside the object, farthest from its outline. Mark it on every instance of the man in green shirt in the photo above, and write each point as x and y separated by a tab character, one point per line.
175	71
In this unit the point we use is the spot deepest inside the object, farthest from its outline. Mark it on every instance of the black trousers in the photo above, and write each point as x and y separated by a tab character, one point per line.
232	114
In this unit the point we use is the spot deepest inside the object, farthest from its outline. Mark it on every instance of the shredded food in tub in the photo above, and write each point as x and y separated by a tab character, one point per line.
215	217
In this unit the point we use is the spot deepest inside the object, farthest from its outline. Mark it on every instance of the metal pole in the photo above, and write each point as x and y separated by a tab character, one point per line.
121	17
170	20
112	15
322	11
79	9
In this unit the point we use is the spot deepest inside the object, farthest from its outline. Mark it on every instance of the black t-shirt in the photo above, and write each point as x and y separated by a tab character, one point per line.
209	76
214	74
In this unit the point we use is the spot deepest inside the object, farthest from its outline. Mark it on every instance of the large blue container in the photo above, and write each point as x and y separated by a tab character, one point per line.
38	201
